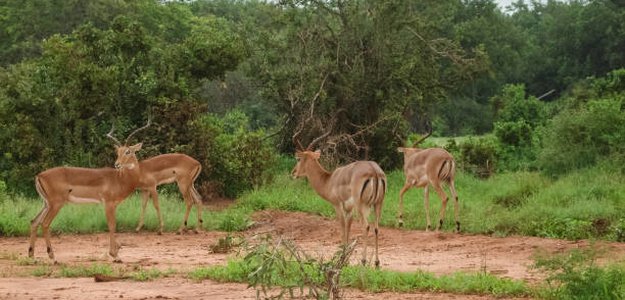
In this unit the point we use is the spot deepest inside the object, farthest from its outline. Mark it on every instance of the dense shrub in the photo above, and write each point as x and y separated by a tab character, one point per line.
235	157
478	156
517	119
578	138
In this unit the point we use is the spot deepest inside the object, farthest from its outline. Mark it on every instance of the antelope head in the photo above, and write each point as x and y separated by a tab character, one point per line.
126	158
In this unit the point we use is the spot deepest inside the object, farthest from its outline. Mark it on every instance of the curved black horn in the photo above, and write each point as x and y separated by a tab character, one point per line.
138	129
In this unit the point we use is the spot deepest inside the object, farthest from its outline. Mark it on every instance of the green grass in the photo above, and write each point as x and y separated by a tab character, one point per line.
74	271
583	204
372	280
16	214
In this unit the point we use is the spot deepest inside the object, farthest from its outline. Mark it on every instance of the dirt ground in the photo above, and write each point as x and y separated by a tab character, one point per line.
400	250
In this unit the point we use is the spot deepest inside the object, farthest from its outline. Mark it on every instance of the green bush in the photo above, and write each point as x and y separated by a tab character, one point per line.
517	119
578	138
478	156
237	158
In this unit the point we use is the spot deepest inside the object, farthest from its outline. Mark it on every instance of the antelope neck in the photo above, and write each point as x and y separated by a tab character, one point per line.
318	177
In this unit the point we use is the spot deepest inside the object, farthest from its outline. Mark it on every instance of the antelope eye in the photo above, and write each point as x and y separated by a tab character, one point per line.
127	152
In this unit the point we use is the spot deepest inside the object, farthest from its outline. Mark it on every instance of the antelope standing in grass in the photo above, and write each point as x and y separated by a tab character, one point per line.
360	185
108	186
425	167
168	168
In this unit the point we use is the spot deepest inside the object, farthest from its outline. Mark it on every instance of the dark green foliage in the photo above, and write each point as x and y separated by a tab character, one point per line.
237	157
578	138
478	156
517	119
61	104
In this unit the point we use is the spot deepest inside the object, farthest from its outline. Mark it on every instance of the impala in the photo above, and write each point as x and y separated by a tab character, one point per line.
360	185
167	168
425	167
108	186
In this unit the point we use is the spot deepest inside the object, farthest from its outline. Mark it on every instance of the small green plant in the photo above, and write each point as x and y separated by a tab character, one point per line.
42	271
28	261
86	271
149	274
226	244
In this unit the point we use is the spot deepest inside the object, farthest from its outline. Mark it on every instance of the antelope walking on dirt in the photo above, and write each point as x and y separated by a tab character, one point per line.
168	168
108	186
425	167
360	185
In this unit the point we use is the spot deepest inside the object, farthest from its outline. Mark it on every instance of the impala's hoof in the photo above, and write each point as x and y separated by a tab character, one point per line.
363	262
401	223
377	264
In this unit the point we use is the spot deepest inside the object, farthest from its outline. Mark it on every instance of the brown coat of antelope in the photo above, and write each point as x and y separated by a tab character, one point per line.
360	185
60	185
168	168
425	167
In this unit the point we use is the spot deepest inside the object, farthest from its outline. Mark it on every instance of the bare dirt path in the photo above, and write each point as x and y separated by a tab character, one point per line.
401	250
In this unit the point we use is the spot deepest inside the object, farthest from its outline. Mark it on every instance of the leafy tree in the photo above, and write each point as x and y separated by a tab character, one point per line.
62	103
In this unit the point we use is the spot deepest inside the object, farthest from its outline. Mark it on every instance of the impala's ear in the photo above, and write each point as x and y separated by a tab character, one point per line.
400	149
136	147
317	154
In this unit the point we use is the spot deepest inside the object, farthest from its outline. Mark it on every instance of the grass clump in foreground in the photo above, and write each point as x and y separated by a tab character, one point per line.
576	275
101	272
271	266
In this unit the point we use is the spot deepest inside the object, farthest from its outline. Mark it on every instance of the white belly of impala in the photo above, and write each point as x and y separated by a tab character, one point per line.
80	200
167	180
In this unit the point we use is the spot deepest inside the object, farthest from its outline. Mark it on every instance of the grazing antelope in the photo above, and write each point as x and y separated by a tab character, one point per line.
108	186
360	185
168	168
425	167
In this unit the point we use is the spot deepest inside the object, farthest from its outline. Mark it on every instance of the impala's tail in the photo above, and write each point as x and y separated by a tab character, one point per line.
447	170
373	189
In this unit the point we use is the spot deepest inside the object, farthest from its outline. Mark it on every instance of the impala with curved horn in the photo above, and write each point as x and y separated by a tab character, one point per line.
162	169
60	185
360	185
425	167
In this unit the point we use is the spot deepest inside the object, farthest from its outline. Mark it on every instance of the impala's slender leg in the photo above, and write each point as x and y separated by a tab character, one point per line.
364	214
185	189
111	221
348	225
443	197
400	213
378	212
144	203
196	198
183	226
426	206
34	225
154	195
341	219
454	195
198	207
45	225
